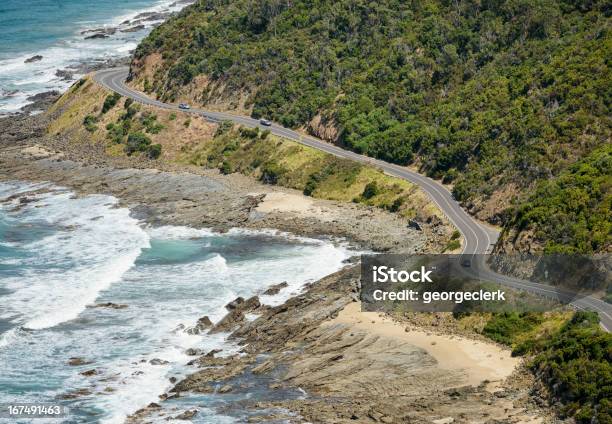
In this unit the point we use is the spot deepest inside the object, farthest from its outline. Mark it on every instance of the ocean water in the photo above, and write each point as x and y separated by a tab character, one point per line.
52	29
61	253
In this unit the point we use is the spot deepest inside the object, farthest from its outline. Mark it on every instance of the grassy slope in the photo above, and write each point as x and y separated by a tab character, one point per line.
572	355
86	99
496	97
568	351
316	173
81	117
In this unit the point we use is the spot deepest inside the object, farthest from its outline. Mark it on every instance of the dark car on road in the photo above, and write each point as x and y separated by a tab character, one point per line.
265	122
184	106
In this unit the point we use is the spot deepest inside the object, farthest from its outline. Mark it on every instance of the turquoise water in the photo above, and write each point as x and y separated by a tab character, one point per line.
52	29
60	254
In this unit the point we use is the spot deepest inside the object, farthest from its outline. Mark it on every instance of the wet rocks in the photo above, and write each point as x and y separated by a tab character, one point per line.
187	415
89	373
64	74
212	353
203	323
109	305
225	389
36	58
242	305
232	320
211	361
134	28
202	381
237	309
275	288
74	394
234	304
151	16
157	361
99	33
96	36
41	101
77	361
105	31
193	351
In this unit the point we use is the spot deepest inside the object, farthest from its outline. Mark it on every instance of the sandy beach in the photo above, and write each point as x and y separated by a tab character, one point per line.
478	361
340	365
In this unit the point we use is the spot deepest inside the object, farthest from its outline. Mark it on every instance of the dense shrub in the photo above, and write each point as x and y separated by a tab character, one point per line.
223	128
571	213
226	168
137	142
271	173
370	190
154	151
488	95
577	365
149	121
251	133
90	122
505	327
110	102
575	361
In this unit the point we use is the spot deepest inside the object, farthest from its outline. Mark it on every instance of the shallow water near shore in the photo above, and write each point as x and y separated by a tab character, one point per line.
53	29
60	254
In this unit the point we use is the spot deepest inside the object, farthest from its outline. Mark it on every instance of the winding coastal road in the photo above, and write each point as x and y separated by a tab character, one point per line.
477	237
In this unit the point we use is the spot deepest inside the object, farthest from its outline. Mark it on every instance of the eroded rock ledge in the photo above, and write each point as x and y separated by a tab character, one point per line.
348	374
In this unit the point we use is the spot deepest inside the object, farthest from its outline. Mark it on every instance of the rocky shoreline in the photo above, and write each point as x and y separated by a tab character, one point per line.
340	371
164	193
345	372
139	22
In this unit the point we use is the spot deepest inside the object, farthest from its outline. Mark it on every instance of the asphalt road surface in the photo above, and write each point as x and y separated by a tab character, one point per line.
477	237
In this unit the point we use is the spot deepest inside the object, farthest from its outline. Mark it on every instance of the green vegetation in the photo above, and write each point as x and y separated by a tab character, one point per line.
573	357
149	121
273	161
224	127
130	128
571	213
137	142
454	242
370	190
488	95
504	328
271	172
110	102
154	151
452	245
90	123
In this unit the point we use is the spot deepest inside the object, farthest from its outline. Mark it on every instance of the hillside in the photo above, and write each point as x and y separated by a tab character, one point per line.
88	115
509	102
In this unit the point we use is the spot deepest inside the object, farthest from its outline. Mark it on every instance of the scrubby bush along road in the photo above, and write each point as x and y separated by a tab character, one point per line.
507	100
478	238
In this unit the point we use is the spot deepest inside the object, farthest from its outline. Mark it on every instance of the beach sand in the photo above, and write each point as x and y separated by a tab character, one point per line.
477	360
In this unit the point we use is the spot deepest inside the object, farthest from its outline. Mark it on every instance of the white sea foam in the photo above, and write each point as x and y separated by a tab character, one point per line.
20	80
94	254
96	245
210	284
170	232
